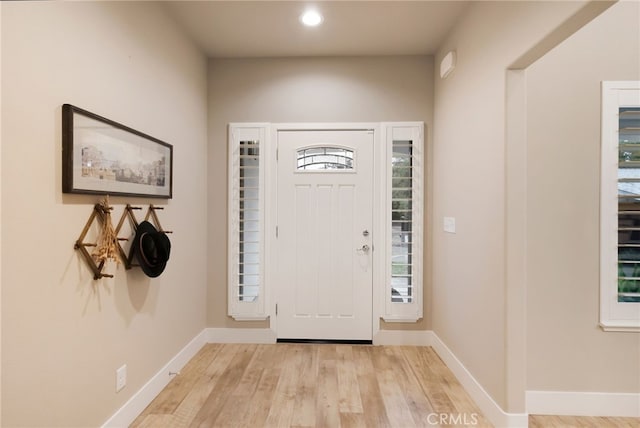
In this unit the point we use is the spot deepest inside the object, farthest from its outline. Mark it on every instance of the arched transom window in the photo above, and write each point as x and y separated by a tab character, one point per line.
324	158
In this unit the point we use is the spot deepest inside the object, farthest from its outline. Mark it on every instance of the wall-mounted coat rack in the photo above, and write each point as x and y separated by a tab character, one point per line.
101	211
151	215
127	214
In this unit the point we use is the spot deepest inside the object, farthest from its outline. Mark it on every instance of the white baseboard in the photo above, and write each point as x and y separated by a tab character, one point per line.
266	335
404	337
487	405
141	399
240	335
583	403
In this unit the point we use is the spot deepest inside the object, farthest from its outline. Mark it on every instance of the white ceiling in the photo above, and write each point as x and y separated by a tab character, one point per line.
232	29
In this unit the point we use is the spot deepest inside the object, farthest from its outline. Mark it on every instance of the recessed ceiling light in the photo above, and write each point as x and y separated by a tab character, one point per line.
311	18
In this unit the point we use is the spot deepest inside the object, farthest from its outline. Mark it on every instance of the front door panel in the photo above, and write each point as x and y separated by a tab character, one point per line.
325	205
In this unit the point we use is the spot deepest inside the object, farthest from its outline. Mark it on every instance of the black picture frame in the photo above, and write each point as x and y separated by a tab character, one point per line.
103	157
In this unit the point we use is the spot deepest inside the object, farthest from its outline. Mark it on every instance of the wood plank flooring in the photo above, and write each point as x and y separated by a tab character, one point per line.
537	421
296	385
305	385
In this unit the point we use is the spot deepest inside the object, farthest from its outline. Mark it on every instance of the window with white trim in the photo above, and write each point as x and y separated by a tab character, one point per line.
247	146
620	207
404	198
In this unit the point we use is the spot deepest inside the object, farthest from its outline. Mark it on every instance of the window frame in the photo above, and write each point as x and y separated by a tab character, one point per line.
384	133
407	312
346	169
238	309
614	315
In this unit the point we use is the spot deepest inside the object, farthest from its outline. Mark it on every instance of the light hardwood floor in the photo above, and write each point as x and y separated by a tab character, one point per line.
291	385
301	385
536	421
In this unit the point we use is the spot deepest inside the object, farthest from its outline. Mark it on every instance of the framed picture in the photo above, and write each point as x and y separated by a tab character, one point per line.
100	156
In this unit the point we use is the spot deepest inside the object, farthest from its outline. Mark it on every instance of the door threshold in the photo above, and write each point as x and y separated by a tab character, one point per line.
327	341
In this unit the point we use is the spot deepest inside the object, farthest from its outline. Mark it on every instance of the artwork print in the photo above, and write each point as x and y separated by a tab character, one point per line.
104	157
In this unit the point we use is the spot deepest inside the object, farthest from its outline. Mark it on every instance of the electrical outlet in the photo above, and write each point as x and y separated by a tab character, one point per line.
121	378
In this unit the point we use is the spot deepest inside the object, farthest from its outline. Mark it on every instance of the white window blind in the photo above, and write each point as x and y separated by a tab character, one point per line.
249	221
247	146
404	224
402	261
629	204
620	207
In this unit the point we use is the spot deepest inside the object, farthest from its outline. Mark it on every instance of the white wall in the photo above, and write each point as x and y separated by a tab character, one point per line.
367	89
566	349
63	334
469	287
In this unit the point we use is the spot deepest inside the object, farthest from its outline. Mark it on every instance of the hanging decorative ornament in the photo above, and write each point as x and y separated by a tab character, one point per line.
107	245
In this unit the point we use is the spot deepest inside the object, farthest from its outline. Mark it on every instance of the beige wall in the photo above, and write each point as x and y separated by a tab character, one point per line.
469	288
63	334
371	89
566	349
0	224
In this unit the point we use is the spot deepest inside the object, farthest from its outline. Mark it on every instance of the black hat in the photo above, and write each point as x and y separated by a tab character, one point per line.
151	249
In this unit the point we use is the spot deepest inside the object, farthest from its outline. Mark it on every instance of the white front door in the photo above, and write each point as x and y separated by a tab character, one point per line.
325	219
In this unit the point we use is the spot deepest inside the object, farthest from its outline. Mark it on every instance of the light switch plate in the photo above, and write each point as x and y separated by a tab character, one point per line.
450	224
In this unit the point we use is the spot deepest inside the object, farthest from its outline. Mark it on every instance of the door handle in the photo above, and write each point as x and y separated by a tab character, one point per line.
365	248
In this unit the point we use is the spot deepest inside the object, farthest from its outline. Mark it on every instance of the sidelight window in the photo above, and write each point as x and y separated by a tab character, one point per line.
247	145
620	207
404	204
402	221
